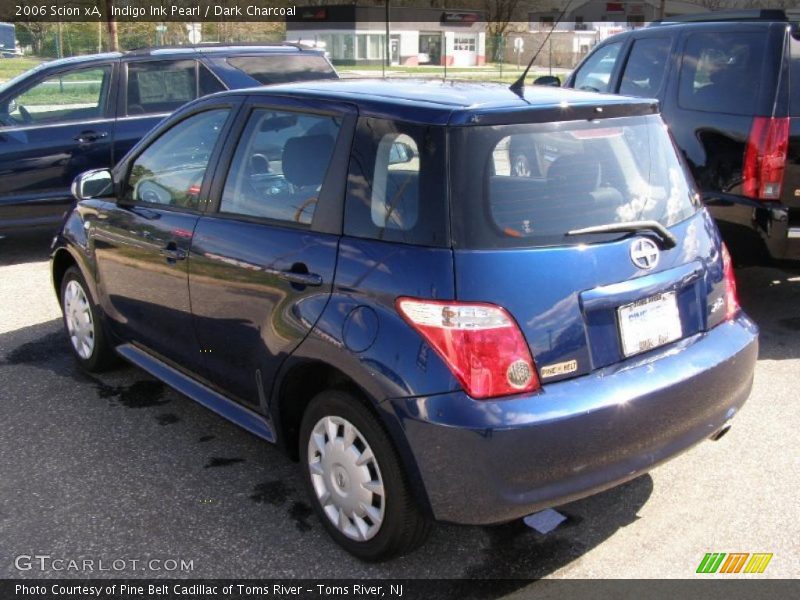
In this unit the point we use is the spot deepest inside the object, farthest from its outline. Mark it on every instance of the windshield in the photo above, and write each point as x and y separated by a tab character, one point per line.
535	183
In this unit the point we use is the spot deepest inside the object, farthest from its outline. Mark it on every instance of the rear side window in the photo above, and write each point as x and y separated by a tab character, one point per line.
160	86
283	68
279	166
581	174
720	72
645	69
595	74
396	184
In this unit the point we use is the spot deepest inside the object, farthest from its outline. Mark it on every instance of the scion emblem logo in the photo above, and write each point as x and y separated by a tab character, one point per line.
644	253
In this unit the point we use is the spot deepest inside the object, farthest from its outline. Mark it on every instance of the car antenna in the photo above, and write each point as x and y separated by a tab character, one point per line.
518	87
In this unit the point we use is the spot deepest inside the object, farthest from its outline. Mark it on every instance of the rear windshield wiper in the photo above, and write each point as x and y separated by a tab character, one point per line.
662	233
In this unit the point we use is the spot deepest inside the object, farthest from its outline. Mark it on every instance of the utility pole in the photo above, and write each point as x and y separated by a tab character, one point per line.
388	59
662	9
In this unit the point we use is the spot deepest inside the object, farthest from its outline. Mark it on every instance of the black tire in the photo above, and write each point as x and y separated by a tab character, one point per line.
404	527
102	356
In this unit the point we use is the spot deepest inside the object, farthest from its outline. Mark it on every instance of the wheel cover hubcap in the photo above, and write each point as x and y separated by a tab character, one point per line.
346	478
78	316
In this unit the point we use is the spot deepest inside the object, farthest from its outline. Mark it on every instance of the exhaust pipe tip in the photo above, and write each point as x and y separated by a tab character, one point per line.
721	432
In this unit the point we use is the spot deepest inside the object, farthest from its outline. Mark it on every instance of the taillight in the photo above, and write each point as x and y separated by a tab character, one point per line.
731	298
765	158
481	344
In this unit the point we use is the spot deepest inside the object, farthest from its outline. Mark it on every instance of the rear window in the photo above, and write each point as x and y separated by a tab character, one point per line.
529	185
720	70
283	68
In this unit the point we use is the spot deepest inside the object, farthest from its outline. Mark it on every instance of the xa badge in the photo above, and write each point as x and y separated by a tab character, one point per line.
644	253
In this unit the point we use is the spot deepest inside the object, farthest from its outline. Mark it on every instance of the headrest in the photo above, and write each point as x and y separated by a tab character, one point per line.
574	174
306	158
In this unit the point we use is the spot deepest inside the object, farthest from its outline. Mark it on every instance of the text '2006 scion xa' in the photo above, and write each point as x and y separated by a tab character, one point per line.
353	270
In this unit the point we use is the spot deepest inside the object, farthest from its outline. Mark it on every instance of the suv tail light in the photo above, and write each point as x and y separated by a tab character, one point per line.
765	158
731	298
481	344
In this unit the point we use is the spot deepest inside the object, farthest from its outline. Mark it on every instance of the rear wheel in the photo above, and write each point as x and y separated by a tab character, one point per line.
89	344
356	481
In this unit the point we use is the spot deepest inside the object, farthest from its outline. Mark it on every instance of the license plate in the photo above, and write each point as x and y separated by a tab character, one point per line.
649	323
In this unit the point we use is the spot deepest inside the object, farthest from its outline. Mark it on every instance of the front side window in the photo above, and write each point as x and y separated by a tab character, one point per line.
170	171
279	166
645	69
720	71
71	96
595	74
161	86
582	174
396	184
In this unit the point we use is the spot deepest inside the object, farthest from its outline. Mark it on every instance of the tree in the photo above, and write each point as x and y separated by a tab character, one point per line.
35	33
499	14
113	39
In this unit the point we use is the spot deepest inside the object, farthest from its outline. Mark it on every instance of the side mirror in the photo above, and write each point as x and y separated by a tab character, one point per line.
96	183
547	80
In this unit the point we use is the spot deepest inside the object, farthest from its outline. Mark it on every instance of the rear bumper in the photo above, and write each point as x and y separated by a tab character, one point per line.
487	462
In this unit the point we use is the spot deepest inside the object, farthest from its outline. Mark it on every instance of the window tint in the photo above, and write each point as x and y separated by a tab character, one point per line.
207	81
170	171
279	166
581	174
283	68
66	97
160	86
595	74
720	72
396	184
645	68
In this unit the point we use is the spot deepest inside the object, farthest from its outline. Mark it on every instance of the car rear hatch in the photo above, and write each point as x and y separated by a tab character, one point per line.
602	252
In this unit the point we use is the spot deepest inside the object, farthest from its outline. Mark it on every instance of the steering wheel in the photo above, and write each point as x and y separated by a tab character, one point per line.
299	212
25	114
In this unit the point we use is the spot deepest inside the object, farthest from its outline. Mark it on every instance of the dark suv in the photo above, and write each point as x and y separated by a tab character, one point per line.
351	269
729	90
66	116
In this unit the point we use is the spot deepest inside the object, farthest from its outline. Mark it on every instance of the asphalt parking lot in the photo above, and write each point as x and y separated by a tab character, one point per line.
119	466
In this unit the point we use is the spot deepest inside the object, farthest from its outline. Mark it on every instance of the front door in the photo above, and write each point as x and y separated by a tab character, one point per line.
51	131
142	242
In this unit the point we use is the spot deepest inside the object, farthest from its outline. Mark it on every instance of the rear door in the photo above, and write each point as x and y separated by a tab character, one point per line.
263	260
51	129
727	74
584	301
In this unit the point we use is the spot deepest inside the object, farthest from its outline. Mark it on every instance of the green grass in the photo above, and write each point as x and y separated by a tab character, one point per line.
507	73
11	67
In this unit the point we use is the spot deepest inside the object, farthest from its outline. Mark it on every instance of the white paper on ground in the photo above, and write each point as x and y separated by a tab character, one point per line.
545	520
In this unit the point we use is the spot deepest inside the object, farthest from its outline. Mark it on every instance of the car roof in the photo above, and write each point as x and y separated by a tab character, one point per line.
452	102
164	51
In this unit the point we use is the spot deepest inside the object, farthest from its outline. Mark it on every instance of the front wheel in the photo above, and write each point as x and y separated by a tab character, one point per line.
87	338
356	481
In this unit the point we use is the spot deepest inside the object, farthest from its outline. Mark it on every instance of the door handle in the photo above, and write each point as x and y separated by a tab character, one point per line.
172	253
300	278
89	136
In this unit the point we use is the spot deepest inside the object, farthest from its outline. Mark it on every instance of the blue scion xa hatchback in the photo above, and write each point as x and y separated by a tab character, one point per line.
353	270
